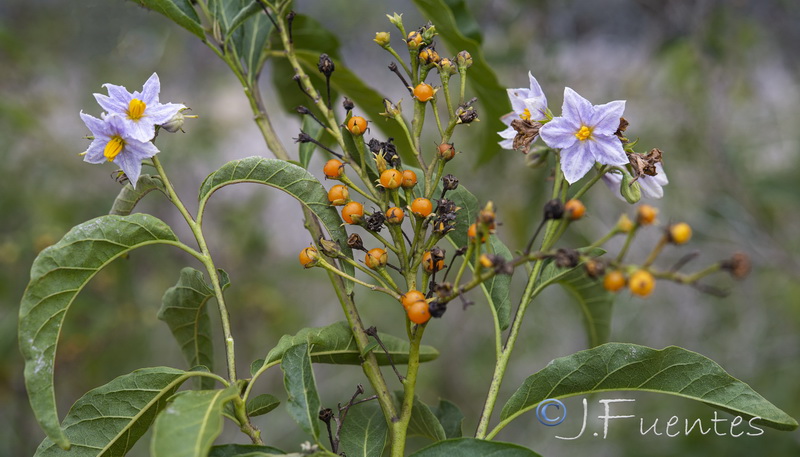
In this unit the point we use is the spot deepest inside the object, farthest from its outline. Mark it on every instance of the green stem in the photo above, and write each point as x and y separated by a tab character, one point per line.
605	238
397	57
627	245
400	427
656	251
330	268
602	171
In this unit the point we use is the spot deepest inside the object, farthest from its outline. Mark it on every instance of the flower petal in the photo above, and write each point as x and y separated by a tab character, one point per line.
559	133
576	161
605	118
536	89
98	127
94	154
142	130
161	114
576	107
119	93
151	89
607	149
111	105
508	142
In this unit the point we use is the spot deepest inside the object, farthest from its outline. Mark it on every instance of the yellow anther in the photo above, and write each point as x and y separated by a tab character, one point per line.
113	147
584	133
526	115
136	109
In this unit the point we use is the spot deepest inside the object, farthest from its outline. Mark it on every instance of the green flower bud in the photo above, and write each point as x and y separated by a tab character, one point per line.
396	20
447	67
429	33
630	189
463	60
382	38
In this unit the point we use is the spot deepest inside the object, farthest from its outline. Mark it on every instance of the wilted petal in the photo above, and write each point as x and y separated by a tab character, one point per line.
605	117
576	161
559	133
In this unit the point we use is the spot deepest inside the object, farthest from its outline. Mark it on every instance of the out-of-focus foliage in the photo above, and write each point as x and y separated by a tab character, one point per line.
714	84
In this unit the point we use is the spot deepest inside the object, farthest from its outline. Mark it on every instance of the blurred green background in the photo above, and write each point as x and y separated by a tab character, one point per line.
713	83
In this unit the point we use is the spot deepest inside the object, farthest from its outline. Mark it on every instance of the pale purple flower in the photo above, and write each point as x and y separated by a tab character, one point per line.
585	135
651	186
528	104
140	111
112	143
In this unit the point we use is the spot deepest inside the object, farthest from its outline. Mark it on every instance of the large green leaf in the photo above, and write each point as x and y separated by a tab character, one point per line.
465	21
290	178
303	401
482	80
180	11
336	344
261	405
128	197
58	274
450	417
471	447
595	301
364	431
423	421
107	421
184	309
191	423
497	288
243	450
621	366
256	31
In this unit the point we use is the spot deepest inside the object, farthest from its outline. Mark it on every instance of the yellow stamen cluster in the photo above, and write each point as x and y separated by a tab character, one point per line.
113	147
136	109
526	115
584	133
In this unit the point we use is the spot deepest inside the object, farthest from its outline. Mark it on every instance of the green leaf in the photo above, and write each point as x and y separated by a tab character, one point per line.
621	366
298	378
595	301
336	344
472	447
128	197
450	417
244	14
364	431
180	11
289	178
107	421
423	422
184	309
255	34
261	405
312	128
58	274
481	79
497	288
243	450
465	21
190	423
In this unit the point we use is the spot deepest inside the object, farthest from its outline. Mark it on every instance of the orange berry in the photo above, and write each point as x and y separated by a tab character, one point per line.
421	207
624	224
423	92
575	209
357	125
427	263
308	257
472	232
411	297
680	233
614	281
394	215
376	258
446	151
642	283
333	169
418	312
646	215
409	179
338	195
391	179
353	212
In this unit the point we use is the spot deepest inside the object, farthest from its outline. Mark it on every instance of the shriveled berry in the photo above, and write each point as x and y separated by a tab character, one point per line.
418	312
411	297
614	281
357	125
308	257
353	212
338	195
427	263
642	283
409	179
333	169
421	207
391	179
376	258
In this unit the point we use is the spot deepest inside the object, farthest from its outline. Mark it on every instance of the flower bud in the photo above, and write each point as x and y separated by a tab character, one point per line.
463	60
624	224
382	38
329	248
553	210
567	258
468	115
414	40
174	124
348	104
390	109
446	151
738	265
487	215
396	20
447	67
428	33
325	65
629	189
